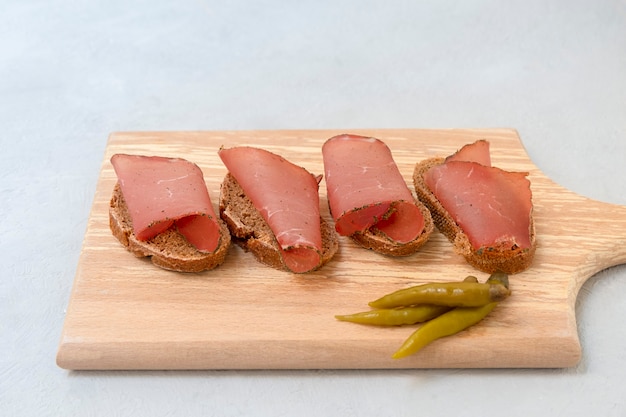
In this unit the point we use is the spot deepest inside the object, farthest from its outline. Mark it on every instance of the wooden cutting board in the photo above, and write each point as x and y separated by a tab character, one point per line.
124	313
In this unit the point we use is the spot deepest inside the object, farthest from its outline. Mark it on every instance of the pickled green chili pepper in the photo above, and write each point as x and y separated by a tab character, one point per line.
446	324
451	322
451	294
399	316
446	308
395	316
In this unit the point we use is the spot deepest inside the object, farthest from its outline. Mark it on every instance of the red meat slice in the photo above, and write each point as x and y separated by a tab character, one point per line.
491	206
366	189
473	152
164	192
287	197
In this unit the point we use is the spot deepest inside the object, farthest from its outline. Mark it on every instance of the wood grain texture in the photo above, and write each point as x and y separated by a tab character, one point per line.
124	313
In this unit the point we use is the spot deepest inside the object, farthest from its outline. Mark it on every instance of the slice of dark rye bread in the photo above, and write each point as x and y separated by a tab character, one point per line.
252	233
379	242
504	259
170	249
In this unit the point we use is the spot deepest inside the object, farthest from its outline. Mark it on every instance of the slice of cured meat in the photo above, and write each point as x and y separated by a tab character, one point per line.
473	152
491	206
287	197
164	192
366	189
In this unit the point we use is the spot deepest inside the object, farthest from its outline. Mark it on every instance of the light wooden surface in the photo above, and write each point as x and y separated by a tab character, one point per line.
124	313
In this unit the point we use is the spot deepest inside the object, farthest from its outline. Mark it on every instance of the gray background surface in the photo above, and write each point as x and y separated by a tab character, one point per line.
72	72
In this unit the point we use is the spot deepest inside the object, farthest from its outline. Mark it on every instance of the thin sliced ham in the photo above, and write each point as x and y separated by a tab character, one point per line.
491	206
287	197
473	152
366	189
167	192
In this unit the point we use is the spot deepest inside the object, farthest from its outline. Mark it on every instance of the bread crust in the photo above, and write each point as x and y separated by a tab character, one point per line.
507	260
252	233
170	249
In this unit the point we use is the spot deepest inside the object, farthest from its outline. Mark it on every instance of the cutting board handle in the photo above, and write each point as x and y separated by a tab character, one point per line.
586	234
605	235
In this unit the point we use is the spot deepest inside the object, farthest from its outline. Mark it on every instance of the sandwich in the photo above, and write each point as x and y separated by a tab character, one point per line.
369	199
484	211
271	207
161	209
